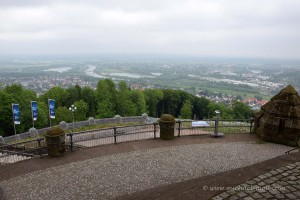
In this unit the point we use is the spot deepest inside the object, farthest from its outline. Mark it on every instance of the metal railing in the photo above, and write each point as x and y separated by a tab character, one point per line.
119	134
18	151
36	147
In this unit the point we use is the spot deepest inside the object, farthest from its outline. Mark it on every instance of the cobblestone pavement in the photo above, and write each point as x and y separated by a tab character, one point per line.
111	176
281	183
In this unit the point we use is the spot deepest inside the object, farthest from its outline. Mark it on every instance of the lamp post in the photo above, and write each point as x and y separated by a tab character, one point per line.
216	132
72	108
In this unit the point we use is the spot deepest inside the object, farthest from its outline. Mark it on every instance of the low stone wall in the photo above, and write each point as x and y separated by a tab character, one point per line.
90	121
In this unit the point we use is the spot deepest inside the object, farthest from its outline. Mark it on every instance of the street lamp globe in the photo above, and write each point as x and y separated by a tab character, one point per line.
72	108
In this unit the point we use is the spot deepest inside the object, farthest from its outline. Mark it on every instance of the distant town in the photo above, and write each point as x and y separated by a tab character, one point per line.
250	83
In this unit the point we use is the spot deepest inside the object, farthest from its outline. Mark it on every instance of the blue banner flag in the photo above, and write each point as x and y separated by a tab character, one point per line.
51	103
16	113
34	110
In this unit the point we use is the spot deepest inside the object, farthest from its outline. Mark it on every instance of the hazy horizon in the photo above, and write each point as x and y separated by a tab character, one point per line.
253	29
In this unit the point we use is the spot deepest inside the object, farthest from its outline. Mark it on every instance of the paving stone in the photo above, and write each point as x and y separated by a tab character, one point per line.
269	181
248	198
241	194
282	183
274	191
268	174
291	166
234	198
274	172
257	179
267	195
291	188
291	182
256	195
224	195
297	186
292	178
217	198
297	193
291	196
262	177
280	196
285	174
261	183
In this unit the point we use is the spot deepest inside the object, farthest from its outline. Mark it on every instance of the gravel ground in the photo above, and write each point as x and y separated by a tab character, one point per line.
115	175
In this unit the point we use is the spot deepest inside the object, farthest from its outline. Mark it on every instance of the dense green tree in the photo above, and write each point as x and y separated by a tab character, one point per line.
106	95
43	113
73	94
186	110
153	97
225	111
170	103
138	99
107	101
62	114
59	94
88	96
125	106
23	97
6	121
173	101
200	107
81	111
241	111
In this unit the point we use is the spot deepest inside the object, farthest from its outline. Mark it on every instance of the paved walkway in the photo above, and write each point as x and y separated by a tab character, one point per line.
114	175
281	183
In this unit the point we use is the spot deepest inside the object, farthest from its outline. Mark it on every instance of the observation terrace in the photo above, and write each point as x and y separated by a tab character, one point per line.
131	162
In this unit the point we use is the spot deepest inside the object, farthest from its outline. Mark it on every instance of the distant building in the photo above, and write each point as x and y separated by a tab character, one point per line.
136	87
254	103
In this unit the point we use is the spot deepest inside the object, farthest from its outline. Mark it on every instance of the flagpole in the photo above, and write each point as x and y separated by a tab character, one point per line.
49	112
12	109
32	115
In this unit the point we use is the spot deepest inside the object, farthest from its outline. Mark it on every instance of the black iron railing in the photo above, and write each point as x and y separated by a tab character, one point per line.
34	147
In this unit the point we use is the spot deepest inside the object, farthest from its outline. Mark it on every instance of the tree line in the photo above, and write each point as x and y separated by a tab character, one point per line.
108	100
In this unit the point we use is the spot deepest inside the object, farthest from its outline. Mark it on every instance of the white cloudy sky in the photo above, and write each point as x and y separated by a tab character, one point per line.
247	28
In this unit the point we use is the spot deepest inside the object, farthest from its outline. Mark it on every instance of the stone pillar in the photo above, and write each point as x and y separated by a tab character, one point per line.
33	132
118	119
167	124
55	139
63	125
144	117
91	121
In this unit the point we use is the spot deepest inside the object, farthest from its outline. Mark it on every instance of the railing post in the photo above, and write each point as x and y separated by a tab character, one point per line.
154	131
179	127
115	135
71	141
251	124
40	146
216	126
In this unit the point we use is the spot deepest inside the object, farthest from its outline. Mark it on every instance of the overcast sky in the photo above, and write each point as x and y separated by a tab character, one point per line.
235	28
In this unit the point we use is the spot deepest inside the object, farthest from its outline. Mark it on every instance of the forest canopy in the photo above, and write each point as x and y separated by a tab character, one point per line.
107	100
